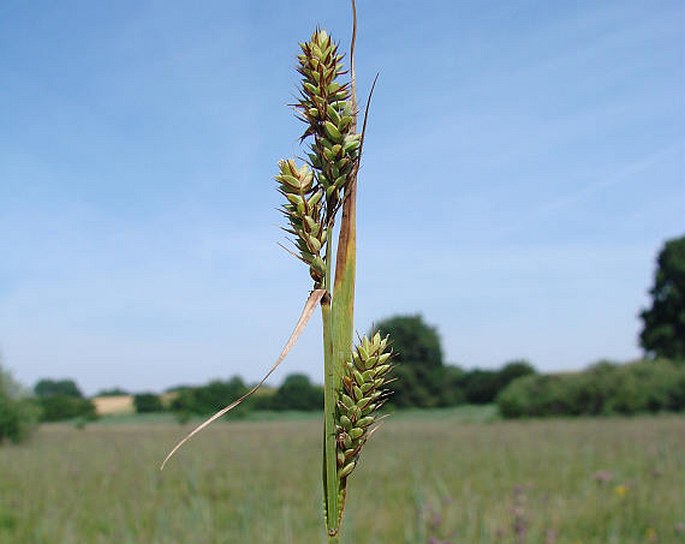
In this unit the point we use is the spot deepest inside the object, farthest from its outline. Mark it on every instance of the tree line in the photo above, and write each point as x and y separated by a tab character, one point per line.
423	380
605	388
59	400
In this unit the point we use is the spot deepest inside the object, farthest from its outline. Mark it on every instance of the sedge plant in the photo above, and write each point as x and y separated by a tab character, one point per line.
316	191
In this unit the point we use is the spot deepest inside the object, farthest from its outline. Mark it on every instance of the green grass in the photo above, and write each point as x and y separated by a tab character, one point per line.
467	413
259	482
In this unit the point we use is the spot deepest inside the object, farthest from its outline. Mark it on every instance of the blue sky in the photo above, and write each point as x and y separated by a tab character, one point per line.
523	165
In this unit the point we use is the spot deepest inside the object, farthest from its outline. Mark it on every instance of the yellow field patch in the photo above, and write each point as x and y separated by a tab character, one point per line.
120	404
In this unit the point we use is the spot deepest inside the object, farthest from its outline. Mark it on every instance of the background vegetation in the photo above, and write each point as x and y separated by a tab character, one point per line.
663	333
603	389
426	475
459	474
18	413
62	399
424	380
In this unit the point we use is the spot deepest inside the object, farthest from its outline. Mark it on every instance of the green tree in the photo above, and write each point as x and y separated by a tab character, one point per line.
420	374
210	398
18	413
61	407
147	402
448	384
298	393
513	370
481	386
663	332
604	388
413	341
62	399
422	380
113	392
50	388
411	389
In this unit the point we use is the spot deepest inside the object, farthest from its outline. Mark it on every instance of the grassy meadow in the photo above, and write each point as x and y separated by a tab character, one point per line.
439	477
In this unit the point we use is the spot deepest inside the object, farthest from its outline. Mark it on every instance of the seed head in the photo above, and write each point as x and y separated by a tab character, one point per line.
326	109
304	211
362	393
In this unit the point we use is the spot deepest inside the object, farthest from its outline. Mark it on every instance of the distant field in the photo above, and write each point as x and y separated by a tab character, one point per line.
250	482
118	404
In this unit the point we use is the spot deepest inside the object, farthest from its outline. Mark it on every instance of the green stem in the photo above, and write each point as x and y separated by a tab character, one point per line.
342	306
338	320
331	378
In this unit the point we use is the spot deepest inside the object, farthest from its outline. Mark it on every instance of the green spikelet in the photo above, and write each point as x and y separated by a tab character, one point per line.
314	192
304	211
326	108
362	394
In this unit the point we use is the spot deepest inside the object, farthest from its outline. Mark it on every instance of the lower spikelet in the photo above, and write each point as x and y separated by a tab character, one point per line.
362	394
303	209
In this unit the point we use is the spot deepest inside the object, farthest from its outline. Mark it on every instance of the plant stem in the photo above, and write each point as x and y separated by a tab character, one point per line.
342	310
331	377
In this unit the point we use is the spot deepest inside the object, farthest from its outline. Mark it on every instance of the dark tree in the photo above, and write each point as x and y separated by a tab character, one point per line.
51	388
298	393
513	370
603	389
448	386
62	399
61	407
481	386
663	332
421	379
414	342
209	398
114	392
409	390
147	402
18	414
